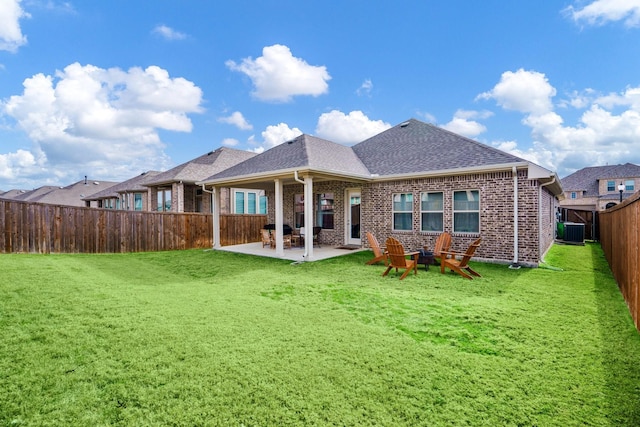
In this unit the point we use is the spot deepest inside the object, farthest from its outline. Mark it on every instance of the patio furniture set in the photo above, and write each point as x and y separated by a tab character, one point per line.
394	256
291	237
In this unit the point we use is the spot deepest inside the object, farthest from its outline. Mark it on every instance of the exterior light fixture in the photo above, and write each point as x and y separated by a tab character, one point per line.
621	189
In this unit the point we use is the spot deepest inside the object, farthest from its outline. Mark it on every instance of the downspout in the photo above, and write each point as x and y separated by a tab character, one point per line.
295	176
213	225
515	264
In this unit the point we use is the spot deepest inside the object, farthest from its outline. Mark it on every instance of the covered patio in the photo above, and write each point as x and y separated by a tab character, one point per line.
295	254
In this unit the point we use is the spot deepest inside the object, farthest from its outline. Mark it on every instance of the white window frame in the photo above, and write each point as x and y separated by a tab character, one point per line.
466	211
395	212
431	211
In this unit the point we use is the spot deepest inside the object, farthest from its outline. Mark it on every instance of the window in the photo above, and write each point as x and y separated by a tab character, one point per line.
431	207
164	200
629	185
249	202
263	205
324	215
403	211
574	195
137	201
611	186
239	205
298	210
466	211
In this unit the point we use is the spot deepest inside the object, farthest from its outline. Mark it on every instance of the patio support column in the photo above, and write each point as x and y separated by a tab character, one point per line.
309	220
215	205
279	217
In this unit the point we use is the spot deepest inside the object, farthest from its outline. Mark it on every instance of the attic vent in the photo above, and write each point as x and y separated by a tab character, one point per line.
404	125
209	153
291	142
96	183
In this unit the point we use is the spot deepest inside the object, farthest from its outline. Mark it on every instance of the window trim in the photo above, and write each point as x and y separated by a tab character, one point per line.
394	211
423	212
454	211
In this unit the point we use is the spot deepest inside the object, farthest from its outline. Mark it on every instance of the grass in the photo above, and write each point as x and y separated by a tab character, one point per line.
214	338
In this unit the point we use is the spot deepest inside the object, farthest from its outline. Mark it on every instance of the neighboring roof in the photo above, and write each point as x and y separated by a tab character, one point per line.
304	152
129	186
586	179
12	194
35	193
416	147
203	166
71	195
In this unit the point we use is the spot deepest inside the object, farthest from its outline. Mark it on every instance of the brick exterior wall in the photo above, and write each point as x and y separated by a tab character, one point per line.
536	213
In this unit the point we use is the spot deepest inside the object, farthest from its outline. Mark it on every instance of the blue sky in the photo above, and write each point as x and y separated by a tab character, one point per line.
111	89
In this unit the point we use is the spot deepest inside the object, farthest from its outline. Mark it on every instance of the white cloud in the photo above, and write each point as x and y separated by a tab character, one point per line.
105	120
524	91
348	128
279	76
599	12
276	135
230	142
168	33
236	119
463	123
600	136
15	164
365	88
11	37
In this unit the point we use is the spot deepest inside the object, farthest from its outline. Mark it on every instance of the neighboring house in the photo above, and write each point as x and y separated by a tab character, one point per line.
412	182
127	195
597	188
176	191
71	195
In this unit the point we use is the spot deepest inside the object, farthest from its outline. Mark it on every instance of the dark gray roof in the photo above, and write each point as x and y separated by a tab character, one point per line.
71	195
586	179
415	147
303	152
129	186
203	166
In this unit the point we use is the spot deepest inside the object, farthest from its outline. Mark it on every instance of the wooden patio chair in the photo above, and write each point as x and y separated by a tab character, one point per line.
460	266
398	258
379	253
266	238
443	243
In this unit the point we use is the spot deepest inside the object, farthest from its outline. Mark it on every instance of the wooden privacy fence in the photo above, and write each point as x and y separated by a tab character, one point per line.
620	240
41	228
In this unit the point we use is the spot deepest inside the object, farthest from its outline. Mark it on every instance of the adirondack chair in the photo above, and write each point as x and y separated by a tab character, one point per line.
443	243
379	254
398	258
266	238
460	266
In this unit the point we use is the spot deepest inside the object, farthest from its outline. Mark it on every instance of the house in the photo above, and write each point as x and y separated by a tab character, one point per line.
412	182
598	188
71	195
176	190
127	195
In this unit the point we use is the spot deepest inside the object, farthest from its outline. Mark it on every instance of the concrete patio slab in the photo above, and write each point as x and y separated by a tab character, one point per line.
293	254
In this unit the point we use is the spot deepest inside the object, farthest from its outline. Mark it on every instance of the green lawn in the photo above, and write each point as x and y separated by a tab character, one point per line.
215	338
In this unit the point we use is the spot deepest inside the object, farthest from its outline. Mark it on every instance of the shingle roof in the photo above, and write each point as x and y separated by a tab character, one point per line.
134	184
71	195
415	146
203	166
305	151
586	179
